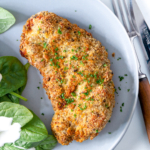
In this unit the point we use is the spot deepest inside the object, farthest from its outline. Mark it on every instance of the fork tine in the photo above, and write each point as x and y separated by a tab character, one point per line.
115	8
123	16
129	16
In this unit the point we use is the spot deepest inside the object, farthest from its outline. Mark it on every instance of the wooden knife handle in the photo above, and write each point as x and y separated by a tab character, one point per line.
144	96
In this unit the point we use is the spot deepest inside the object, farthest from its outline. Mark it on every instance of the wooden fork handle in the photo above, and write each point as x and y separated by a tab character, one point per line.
144	96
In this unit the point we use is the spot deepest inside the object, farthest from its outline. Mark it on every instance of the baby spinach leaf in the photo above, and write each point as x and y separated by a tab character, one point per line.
6	20
13	98
27	65
19	113
9	147
32	133
48	144
5	99
14	74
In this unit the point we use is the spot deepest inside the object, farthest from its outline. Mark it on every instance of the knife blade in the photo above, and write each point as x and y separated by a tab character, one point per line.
142	29
144	6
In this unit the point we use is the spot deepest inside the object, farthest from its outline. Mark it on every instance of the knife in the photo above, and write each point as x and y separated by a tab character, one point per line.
144	35
141	25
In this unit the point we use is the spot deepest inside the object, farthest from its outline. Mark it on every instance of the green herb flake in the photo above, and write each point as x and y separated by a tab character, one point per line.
128	90
72	50
42	60
79	33
116	91
122	104
85	57
90	26
100	81
42	114
59	31
109	121
41	97
38	87
73	76
40	29
105	65
121	78
120	109
66	68
96	131
71	110
56	49
119	58
75	115
44	45
125	75
74	57
109	132
69	100
63	95
64	50
73	94
119	88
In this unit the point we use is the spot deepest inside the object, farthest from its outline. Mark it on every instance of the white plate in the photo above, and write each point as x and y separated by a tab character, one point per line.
109	31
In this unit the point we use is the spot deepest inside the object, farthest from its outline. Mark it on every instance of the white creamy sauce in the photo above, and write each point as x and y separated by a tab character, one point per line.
0	77
8	133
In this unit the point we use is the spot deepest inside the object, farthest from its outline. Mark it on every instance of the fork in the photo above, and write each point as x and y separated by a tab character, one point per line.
144	87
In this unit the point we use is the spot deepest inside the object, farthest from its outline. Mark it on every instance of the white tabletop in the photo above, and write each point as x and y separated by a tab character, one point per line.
136	136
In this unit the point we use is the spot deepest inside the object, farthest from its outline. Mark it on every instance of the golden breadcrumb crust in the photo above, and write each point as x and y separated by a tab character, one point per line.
76	75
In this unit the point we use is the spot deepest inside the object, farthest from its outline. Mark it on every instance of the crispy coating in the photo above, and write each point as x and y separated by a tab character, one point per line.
76	75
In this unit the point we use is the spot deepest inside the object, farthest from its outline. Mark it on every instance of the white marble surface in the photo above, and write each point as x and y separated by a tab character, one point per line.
136	136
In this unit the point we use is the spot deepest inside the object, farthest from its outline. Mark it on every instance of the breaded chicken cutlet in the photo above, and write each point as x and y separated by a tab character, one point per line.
76	75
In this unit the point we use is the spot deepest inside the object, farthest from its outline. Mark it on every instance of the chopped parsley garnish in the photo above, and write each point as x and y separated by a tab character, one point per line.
119	88
87	93
95	75
83	107
57	65
122	104
109	121
39	28
42	114
73	94
17	40
81	73
119	58
44	45
121	78
42	60
73	76
56	49
41	98
84	57
96	131
51	59
116	91
106	106
109	132
79	33
66	68
71	110
75	115
100	81
107	50
61	81
64	50
90	26
125	75
69	100
59	31
72	50
63	95
120	109
59	57
74	58
38	87
128	90
81	63
105	65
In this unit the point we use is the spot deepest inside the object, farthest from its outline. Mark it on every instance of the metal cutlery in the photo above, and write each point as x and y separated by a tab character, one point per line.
144	88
